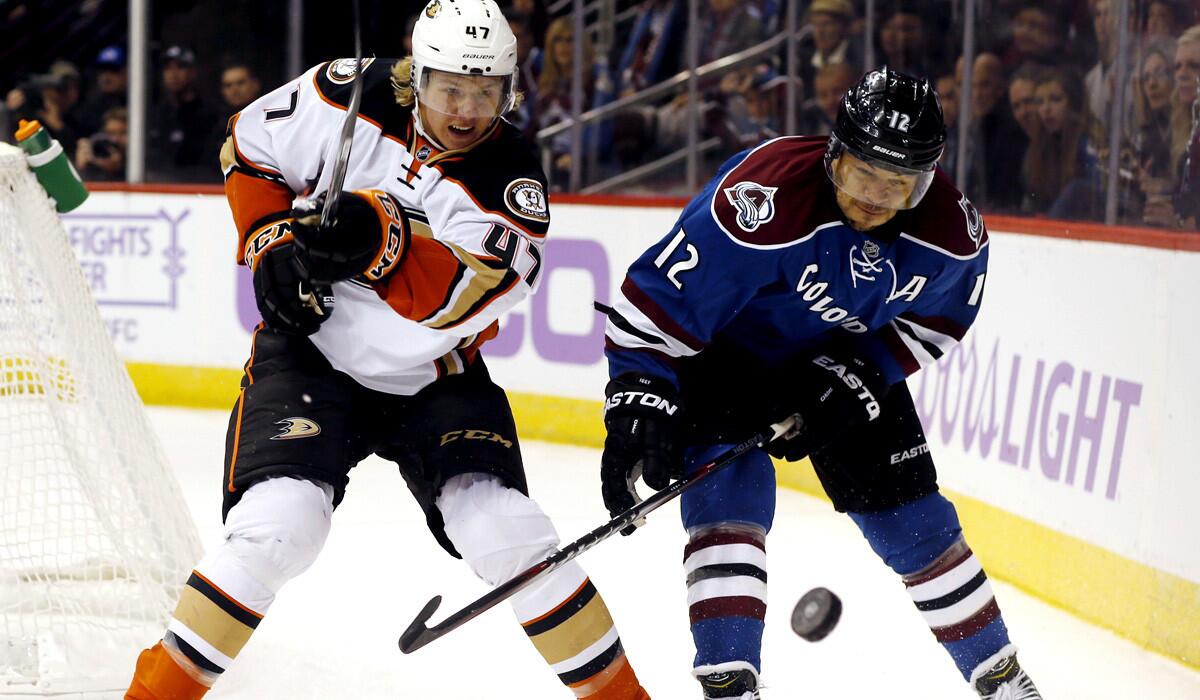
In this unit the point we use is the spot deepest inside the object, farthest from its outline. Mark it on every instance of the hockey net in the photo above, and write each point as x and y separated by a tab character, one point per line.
95	538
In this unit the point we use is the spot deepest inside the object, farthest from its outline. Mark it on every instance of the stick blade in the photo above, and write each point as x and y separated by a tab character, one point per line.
418	635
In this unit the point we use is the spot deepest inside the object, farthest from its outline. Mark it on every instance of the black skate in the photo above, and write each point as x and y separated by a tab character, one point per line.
1004	679
730	681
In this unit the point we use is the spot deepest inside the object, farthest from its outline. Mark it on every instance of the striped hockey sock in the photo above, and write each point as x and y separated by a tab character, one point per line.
577	637
726	569
207	630
955	598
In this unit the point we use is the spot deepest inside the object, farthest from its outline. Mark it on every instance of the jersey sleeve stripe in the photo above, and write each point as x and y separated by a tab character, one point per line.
937	324
335	105
927	336
923	352
648	309
670	361
617	322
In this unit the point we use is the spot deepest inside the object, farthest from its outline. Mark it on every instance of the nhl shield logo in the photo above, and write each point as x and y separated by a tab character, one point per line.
422	153
871	249
755	204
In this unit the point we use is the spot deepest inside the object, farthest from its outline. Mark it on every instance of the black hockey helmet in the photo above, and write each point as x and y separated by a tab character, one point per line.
893	121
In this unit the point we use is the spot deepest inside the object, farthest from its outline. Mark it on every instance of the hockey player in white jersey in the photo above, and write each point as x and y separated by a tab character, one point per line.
809	277
370	345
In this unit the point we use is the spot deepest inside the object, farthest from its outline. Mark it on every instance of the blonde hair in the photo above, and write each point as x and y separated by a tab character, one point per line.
1181	114
402	87
552	73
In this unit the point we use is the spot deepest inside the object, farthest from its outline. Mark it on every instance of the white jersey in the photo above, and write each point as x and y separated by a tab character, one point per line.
478	218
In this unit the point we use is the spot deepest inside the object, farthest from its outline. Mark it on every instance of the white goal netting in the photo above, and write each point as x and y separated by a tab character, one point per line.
95	538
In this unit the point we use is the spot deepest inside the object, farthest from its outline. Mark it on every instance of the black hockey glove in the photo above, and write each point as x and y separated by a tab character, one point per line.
832	390
643	417
368	238
287	301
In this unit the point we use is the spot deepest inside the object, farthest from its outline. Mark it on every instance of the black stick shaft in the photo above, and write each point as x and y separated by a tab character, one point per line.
418	635
341	162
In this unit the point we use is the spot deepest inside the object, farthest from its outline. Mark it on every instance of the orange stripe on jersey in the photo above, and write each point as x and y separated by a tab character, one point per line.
250	199
237	437
423	280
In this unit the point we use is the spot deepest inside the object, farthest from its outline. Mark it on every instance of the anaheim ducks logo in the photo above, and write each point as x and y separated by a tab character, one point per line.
755	204
433	8
341	71
295	428
526	198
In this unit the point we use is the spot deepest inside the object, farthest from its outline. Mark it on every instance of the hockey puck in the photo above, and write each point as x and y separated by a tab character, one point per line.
816	614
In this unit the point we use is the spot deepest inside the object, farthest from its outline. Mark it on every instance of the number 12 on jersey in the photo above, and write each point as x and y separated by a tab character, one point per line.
673	272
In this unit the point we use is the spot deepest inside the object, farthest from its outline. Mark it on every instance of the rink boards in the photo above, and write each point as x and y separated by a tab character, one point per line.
1064	427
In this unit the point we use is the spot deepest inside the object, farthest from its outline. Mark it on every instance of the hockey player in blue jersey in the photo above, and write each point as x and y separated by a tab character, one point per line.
809	278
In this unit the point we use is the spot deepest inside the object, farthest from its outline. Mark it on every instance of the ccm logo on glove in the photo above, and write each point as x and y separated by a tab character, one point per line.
851	380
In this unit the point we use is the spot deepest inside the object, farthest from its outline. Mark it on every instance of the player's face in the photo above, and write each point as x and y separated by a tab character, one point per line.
457	109
868	194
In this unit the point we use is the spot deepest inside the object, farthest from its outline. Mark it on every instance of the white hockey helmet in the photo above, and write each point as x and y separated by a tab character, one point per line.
464	37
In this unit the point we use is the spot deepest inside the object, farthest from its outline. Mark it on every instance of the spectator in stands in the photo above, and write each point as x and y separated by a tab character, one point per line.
654	48
110	88
1060	169
529	62
948	96
830	40
183	138
1039	33
995	144
239	87
904	39
538	18
1099	80
728	26
1165	208
102	155
819	113
1166	18
555	98
1021	99
49	98
1151	128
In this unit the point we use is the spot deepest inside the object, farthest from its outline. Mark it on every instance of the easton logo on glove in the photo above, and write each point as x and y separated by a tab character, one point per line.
640	398
851	380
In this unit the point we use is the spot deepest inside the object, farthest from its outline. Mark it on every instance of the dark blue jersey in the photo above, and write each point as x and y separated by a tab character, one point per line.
763	258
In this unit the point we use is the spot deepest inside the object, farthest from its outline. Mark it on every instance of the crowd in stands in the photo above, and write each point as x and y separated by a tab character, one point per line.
1035	138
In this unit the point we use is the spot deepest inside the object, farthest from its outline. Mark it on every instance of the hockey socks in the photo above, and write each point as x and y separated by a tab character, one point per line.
922	541
578	639
726	569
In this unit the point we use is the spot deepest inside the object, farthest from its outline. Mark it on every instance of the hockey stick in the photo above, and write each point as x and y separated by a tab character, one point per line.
342	162
418	634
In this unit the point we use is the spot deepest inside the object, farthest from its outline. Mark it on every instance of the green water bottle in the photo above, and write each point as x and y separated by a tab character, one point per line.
51	166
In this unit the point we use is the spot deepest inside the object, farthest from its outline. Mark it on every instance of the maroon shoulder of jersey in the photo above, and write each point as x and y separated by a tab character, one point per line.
777	195
947	220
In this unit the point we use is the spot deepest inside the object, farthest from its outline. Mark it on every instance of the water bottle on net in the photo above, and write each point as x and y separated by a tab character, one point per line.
51	166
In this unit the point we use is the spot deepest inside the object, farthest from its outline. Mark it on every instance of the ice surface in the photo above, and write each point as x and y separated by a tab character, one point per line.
332	632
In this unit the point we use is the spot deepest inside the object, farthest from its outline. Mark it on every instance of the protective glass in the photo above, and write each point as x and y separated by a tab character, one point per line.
875	182
466	96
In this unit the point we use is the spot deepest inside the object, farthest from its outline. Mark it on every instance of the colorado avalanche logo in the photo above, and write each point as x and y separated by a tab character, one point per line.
974	220
754	203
